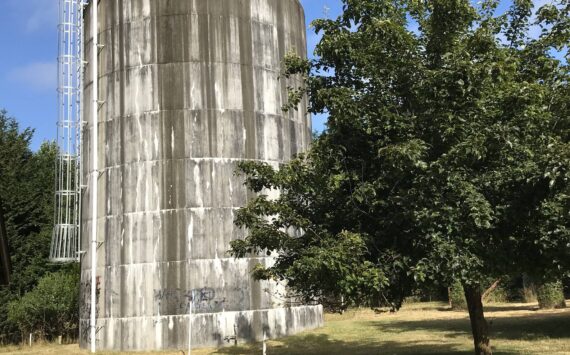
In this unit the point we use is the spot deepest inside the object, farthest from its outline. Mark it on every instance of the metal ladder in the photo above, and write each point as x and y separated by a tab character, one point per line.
68	182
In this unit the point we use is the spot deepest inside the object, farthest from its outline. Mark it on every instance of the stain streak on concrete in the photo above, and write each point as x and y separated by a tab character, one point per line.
191	87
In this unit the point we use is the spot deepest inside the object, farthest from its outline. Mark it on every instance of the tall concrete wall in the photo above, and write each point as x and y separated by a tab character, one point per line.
190	87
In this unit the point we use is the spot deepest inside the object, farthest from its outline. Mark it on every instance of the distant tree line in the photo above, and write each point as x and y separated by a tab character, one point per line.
5	264
41	298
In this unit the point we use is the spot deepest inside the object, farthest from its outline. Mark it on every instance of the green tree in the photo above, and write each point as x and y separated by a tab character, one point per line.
551	295
5	264
51	308
26	191
446	156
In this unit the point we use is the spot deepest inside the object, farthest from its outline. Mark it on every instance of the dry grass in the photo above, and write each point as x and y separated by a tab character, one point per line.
422	328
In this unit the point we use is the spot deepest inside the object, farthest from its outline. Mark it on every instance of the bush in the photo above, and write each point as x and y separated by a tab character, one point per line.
529	289
498	295
427	292
528	294
51	309
457	297
551	295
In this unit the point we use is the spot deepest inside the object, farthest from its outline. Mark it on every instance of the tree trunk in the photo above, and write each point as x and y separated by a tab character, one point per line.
479	325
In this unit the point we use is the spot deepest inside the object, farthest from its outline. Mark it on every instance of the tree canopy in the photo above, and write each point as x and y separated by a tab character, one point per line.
26	193
51	308
5	263
446	154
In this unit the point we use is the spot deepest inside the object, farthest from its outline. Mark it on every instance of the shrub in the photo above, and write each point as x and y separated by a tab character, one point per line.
457	296
551	295
498	295
50	309
529	289
528	294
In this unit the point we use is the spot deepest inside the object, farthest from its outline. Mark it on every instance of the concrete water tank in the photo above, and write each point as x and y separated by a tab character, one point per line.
188	88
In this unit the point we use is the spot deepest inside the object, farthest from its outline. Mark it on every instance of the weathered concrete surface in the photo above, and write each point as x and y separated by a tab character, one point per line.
190	87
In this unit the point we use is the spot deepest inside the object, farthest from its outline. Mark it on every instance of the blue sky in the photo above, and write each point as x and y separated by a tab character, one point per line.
28	63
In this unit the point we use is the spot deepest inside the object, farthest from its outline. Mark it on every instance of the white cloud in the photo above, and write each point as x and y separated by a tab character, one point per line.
39	76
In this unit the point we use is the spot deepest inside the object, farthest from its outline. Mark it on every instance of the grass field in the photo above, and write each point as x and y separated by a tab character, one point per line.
421	328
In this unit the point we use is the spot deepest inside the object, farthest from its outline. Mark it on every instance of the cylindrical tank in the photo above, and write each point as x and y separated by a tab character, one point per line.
188	88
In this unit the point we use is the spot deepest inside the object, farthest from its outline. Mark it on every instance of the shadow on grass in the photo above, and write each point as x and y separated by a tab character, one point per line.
513	327
526	326
323	344
510	308
488	308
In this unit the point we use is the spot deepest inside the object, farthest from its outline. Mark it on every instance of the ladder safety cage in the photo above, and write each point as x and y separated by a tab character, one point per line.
67	212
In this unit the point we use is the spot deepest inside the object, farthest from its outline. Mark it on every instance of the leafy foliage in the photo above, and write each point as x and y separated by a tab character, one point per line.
457	296
551	295
446	155
26	190
51	308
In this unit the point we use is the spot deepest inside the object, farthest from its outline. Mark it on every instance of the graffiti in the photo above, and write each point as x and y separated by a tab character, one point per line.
85	307
85	291
201	300
85	332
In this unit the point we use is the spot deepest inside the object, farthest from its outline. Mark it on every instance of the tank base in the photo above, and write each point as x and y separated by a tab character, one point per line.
207	329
